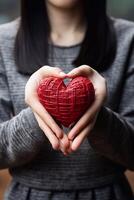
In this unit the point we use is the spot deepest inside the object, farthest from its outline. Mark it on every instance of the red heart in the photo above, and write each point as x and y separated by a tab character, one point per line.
66	102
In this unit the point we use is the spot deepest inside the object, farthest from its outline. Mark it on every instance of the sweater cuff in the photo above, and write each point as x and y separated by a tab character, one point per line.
31	126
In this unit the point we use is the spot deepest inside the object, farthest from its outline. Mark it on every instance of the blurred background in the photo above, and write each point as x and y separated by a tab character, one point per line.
9	10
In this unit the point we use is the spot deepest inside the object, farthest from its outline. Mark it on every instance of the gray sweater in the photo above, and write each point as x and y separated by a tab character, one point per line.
105	154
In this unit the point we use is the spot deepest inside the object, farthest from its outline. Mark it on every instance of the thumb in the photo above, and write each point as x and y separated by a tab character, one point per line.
47	71
57	72
83	70
75	72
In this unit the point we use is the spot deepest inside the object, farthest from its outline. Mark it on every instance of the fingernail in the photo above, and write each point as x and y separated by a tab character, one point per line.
60	136
70	150
70	137
65	154
70	74
57	149
62	74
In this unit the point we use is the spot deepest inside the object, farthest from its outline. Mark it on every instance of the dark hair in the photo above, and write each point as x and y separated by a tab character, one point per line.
98	48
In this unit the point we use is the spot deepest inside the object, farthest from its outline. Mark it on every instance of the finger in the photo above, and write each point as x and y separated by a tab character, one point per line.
47	71
34	103
38	108
69	150
84	133
56	144
83	70
64	144
98	81
42	73
49	134
84	120
80	138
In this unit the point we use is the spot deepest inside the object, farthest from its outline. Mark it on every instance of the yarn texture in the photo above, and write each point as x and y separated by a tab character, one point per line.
66	102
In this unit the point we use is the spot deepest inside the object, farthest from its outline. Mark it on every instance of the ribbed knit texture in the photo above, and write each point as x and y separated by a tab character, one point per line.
95	171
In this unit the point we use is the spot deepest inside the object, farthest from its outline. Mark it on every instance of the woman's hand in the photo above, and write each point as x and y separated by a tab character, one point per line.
86	123
51	129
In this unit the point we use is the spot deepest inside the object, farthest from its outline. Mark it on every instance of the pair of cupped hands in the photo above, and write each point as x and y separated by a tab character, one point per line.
66	143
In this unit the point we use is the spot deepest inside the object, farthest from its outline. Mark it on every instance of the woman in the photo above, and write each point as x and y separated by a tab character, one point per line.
87	161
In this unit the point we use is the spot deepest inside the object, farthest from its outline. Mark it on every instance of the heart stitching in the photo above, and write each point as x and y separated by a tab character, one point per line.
66	102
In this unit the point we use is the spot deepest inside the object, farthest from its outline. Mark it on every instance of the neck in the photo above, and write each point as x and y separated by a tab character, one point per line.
67	25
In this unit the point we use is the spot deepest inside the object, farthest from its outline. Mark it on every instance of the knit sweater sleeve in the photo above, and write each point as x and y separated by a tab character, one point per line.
20	135
113	134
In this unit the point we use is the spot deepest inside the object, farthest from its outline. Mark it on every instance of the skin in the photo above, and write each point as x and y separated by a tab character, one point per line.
66	4
67	21
67	28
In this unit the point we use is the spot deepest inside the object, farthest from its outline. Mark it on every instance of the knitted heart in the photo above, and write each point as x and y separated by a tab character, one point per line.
66	102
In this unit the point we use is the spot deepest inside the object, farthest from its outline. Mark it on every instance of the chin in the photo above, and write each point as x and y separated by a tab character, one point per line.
64	4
